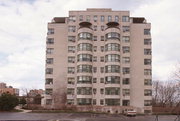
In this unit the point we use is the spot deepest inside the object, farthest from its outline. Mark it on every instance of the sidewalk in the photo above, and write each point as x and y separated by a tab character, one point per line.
23	110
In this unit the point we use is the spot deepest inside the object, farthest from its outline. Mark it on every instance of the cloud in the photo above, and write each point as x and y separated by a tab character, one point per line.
164	18
23	28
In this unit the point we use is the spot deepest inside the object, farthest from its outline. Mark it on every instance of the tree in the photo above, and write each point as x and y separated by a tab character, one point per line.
37	99
165	93
22	101
8	102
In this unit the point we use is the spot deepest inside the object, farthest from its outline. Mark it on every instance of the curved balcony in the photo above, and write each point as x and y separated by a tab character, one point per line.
85	24
111	59
112	25
85	27
112	48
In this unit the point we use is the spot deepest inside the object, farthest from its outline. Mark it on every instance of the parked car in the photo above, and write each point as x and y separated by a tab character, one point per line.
130	112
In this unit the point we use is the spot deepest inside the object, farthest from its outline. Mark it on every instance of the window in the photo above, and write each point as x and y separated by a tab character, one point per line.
147	102
147	51
84	101
49	61
49	50
147	92
126	49
95	38
116	18
112	47
126	102
112	58
95	28
112	69
126	39
50	41
126	60
84	47
95	48
112	91
70	101
147	61
109	18
102	70
81	18
72	18
101	102
71	80
94	101
125	28
71	49
49	70
125	18
94	58
71	59
94	69
102	48
49	80
84	58
126	70
126	81
112	102
102	18
84	80
147	82
48	101
71	70
94	80
102	91
101	80
112	80
113	35
94	91
95	18
147	41
126	92
71	38
85	35
102	28
71	28
50	31
48	91
88	18
102	59
84	90
147	32
102	38
147	72
84	68
70	91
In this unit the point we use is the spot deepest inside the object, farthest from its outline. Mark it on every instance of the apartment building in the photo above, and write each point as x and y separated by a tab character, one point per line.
99	58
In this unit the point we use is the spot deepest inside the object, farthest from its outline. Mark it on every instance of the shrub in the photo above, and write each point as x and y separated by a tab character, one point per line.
8	102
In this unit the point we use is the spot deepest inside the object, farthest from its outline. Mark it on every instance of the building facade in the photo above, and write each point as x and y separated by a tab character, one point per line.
99	58
8	89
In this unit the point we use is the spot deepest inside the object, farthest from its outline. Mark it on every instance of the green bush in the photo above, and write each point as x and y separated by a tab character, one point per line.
8	102
22	101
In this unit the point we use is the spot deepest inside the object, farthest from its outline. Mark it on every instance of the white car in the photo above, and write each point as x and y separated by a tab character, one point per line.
130	112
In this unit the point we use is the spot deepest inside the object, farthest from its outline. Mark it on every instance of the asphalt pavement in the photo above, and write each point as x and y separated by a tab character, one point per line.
80	117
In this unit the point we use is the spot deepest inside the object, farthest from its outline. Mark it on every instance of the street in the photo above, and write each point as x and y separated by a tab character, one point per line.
80	117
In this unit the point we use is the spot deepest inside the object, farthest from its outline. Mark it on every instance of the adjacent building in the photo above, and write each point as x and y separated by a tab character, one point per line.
8	89
99	58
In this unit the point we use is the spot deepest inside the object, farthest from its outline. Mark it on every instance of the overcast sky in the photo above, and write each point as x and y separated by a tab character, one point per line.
23	28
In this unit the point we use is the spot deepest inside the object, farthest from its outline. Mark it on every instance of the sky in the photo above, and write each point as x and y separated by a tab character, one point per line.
23	29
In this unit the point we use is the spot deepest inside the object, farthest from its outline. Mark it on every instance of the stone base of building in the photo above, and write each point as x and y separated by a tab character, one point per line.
101	109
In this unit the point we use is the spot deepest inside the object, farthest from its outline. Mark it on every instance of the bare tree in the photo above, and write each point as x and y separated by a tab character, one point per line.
165	93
